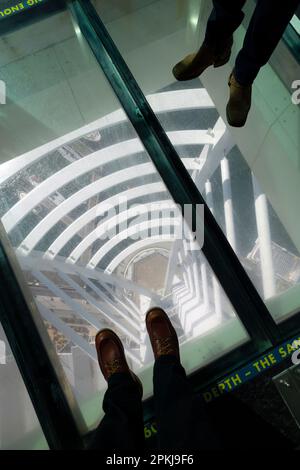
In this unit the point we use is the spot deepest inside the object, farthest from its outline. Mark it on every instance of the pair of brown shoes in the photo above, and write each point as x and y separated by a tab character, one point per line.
193	66
111	355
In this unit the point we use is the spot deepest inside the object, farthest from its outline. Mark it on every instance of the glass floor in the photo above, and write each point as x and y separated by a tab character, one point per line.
94	227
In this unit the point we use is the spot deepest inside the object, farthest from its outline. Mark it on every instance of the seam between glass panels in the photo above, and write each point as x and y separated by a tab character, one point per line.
248	305
291	39
42	383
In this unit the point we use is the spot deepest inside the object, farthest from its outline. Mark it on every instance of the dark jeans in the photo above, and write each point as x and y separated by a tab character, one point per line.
180	415
266	27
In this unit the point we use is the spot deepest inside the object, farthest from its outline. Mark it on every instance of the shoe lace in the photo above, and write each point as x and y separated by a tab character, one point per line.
113	366
165	345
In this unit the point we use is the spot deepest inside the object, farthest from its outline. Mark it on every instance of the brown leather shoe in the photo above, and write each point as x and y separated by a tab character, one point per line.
239	103
193	65
162	334
111	355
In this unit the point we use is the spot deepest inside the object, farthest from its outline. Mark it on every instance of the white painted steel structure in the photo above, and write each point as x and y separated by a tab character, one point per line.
89	281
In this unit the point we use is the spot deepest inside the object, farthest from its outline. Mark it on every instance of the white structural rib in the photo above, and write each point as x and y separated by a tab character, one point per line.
140	245
67	331
139	230
65	176
228	205
74	337
121	303
265	240
110	309
36	261
97	210
93	319
75	306
80	167
80	197
100	185
111	224
222	146
161	102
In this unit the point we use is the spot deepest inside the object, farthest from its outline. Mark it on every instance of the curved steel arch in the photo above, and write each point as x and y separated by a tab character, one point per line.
80	167
132	249
99	231
78	198
107	182
145	226
176	100
65	176
88	216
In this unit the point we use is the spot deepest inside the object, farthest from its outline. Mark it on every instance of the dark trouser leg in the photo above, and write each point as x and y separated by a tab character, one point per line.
122	427
224	19
181	418
264	32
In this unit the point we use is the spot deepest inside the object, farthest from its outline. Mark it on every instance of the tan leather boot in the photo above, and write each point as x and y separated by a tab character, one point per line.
239	103
163	337
111	356
193	65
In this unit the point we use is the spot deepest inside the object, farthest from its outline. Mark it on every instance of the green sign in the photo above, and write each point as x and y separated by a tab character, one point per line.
11	7
243	375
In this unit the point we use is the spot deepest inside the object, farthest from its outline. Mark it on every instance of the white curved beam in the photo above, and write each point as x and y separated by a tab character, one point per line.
176	100
101	230
88	216
80	167
108	293
143	227
67	174
81	196
93	319
67	331
34	262
110	309
222	147
132	249
75	306
74	337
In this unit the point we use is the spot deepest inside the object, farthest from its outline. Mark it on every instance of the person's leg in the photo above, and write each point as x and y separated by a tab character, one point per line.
181	417
183	423
266	27
122	427
224	19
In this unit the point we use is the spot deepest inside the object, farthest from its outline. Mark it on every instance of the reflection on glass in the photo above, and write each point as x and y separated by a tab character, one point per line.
152	37
96	232
19	426
295	22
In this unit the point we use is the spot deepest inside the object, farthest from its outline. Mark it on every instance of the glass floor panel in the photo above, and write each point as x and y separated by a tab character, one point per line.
92	224
249	177
19	426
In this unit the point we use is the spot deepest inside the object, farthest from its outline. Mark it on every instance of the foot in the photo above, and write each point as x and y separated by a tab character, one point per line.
162	334
111	355
193	65
239	103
